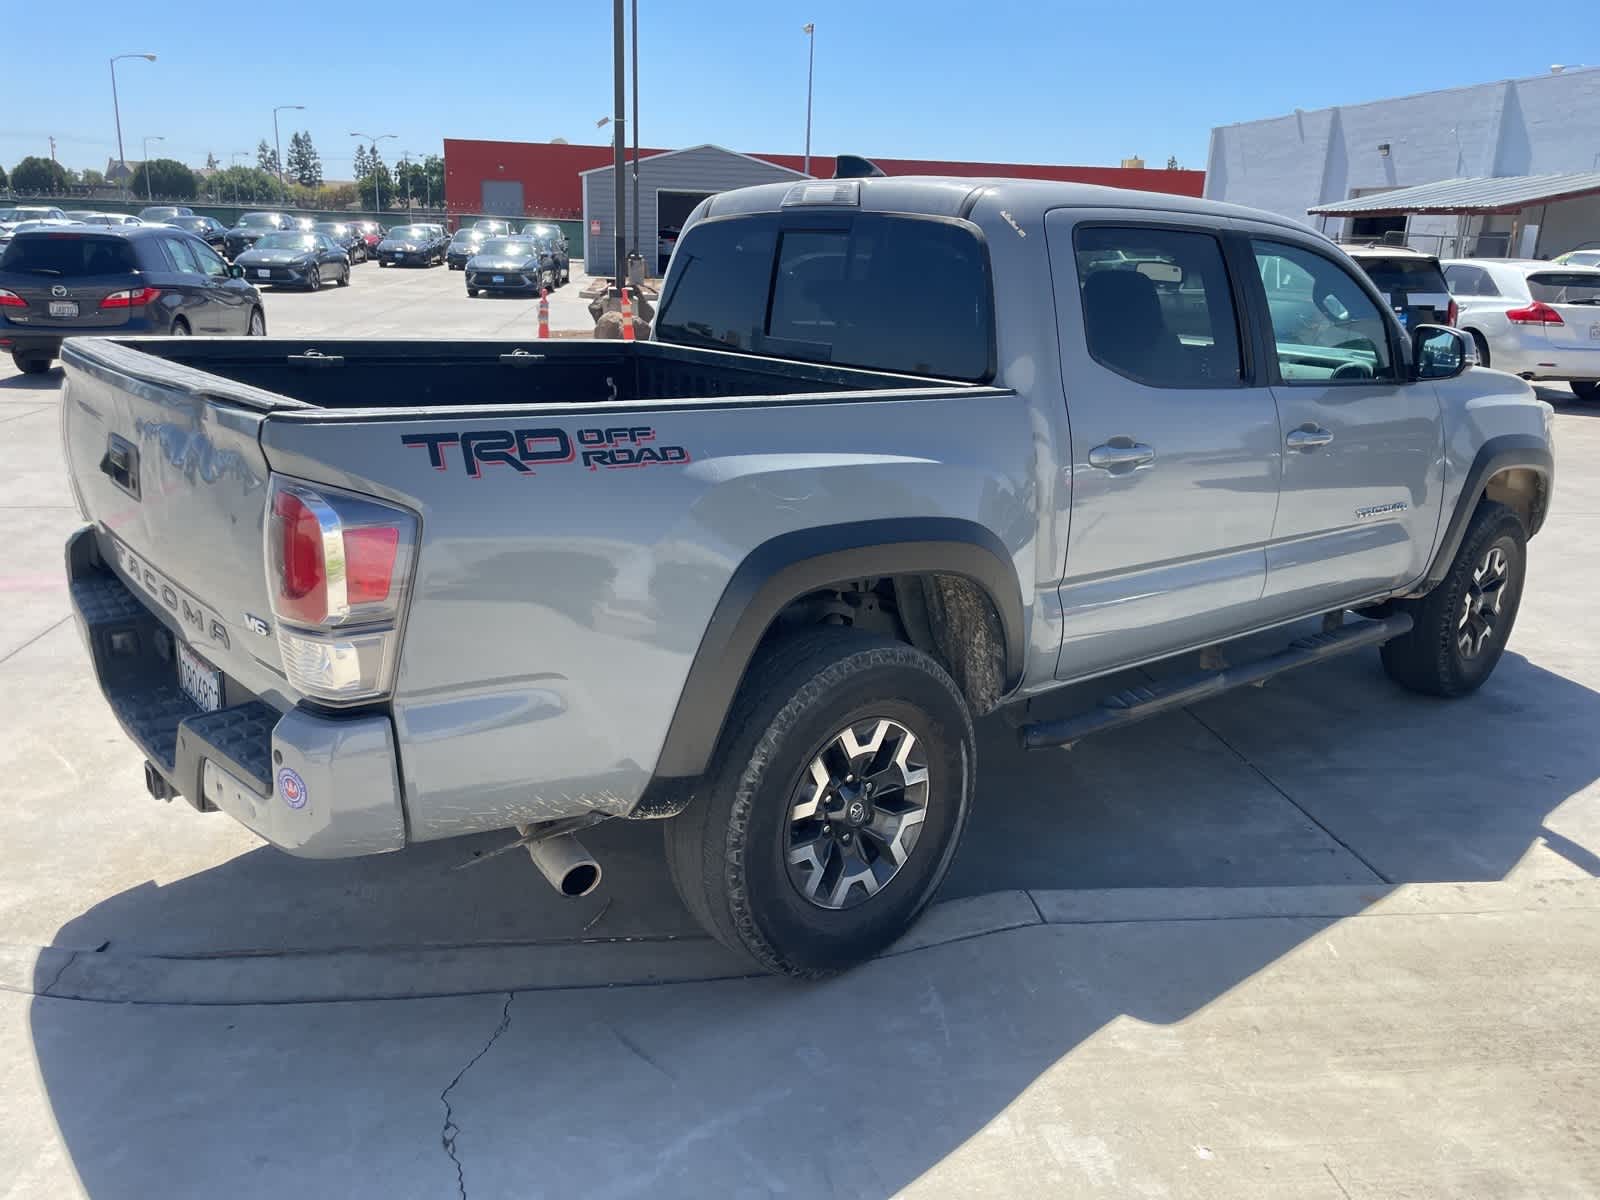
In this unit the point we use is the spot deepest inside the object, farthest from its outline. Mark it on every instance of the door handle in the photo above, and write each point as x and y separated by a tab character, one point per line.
1308	438
1121	455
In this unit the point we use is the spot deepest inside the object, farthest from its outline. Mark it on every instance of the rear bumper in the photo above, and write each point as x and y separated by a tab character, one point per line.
316	786
1535	357
27	338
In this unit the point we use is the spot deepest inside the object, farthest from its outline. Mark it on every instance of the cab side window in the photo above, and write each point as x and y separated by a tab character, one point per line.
1325	327
1158	306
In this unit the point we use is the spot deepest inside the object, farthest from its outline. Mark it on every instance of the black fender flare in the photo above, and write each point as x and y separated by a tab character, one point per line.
1495	455
789	566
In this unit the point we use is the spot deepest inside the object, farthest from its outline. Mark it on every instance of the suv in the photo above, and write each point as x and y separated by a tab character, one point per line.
1533	318
902	452
1412	283
120	279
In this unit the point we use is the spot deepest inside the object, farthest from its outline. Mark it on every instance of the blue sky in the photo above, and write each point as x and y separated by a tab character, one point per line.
999	81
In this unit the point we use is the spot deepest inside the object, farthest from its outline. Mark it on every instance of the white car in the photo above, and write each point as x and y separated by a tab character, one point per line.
1536	319
1579	258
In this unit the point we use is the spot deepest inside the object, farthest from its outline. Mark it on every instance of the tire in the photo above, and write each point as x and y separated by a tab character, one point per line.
1434	658
32	362
314	280
258	324
180	328
1586	390
730	852
344	280
472	291
1483	347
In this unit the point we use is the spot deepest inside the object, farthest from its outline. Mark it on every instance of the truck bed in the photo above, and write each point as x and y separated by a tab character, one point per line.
334	373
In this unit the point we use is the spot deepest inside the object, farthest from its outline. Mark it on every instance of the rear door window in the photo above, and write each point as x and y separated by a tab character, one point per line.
884	293
1467	280
68	256
182	251
1556	287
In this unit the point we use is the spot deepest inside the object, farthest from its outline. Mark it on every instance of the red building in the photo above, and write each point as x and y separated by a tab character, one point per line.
541	179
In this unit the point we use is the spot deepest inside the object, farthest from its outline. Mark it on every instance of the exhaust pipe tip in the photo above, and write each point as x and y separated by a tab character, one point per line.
566	865
581	880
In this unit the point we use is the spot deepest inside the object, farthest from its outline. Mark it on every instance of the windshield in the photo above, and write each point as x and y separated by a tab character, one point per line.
469	235
882	292
492	226
69	256
410	233
508	248
23	214
259	221
192	222
1404	274
287	241
1565	287
330	228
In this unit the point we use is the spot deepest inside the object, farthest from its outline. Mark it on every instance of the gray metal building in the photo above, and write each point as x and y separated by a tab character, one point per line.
1532	130
670	185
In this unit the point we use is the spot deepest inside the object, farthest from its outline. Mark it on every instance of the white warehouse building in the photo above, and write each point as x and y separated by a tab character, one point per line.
1507	168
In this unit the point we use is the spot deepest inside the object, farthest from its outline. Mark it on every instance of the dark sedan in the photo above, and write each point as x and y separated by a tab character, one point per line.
208	229
552	237
372	233
347	235
463	246
254	225
296	260
492	227
86	279
413	245
511	265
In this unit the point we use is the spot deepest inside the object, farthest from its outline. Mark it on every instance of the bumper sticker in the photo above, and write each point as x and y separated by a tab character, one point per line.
292	788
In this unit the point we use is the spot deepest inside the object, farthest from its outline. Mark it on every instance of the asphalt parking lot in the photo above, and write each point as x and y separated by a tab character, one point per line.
1323	938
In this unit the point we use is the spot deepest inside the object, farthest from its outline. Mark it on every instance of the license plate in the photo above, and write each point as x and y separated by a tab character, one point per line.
399	257
263	273
200	681
63	308
498	278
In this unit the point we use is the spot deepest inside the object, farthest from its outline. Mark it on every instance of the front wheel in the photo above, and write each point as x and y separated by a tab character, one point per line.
1461	627
831	813
1587	390
472	291
344	279
314	280
258	323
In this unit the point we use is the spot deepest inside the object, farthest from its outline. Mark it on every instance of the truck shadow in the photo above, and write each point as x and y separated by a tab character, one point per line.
1329	775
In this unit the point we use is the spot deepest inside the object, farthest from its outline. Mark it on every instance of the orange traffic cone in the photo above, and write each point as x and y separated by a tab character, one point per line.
544	313
627	317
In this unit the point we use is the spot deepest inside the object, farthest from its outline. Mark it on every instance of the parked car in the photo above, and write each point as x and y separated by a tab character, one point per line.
1413	283
348	236
293	259
554	242
304	224
462	247
1578	258
413	245
493	227
164	212
86	217
58	282
253	225
9	231
512	265
1535	319
373	233
767	622
11	217
208	229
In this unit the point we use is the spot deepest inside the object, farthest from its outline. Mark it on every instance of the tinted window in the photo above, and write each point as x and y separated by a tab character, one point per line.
209	262
1158	307
288	241
888	293
1324	324
182	251
1404	274
68	256
260	221
1470	281
1559	287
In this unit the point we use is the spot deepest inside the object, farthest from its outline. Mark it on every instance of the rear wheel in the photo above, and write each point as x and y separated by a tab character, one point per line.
180	328
1461	627
32	362
830	815
314	279
1483	348
258	323
1587	390
344	279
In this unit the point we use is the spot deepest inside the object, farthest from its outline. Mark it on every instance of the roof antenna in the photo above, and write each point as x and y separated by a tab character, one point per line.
853	166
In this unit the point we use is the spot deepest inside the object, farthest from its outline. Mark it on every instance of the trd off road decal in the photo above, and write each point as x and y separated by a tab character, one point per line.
523	450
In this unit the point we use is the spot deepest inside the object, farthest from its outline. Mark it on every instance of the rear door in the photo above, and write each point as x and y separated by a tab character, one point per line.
65	277
1574	293
1363	451
200	308
1175	443
231	298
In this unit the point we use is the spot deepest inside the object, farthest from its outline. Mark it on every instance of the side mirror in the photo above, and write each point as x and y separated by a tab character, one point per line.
1440	352
235	272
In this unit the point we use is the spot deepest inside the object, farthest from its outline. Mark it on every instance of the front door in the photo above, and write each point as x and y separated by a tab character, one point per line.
1175	444
1363	460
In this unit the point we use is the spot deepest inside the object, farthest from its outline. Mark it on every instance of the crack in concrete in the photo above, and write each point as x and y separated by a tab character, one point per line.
71	958
449	1131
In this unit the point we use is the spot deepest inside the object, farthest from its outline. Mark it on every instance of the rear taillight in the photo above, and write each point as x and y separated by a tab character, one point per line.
11	300
1537	313
1452	314
130	298
337	566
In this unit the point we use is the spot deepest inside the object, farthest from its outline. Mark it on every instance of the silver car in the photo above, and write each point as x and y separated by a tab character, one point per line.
1532	318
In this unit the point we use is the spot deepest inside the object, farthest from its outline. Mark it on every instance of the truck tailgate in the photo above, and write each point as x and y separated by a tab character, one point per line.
176	484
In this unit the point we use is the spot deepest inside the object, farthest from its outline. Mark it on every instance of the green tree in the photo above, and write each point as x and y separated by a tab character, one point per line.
266	157
244	185
305	164
363	163
90	177
422	182
376	184
164	177
211	161
35	174
1172	162
3	177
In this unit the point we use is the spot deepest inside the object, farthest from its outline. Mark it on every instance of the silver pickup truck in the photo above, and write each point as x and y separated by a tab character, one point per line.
902	452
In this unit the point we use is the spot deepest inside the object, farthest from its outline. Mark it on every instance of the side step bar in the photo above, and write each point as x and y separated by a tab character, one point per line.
1146	700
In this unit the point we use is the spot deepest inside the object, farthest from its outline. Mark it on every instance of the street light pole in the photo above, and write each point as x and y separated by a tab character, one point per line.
116	109
619	82
155	137
377	180
636	248
810	30
277	145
